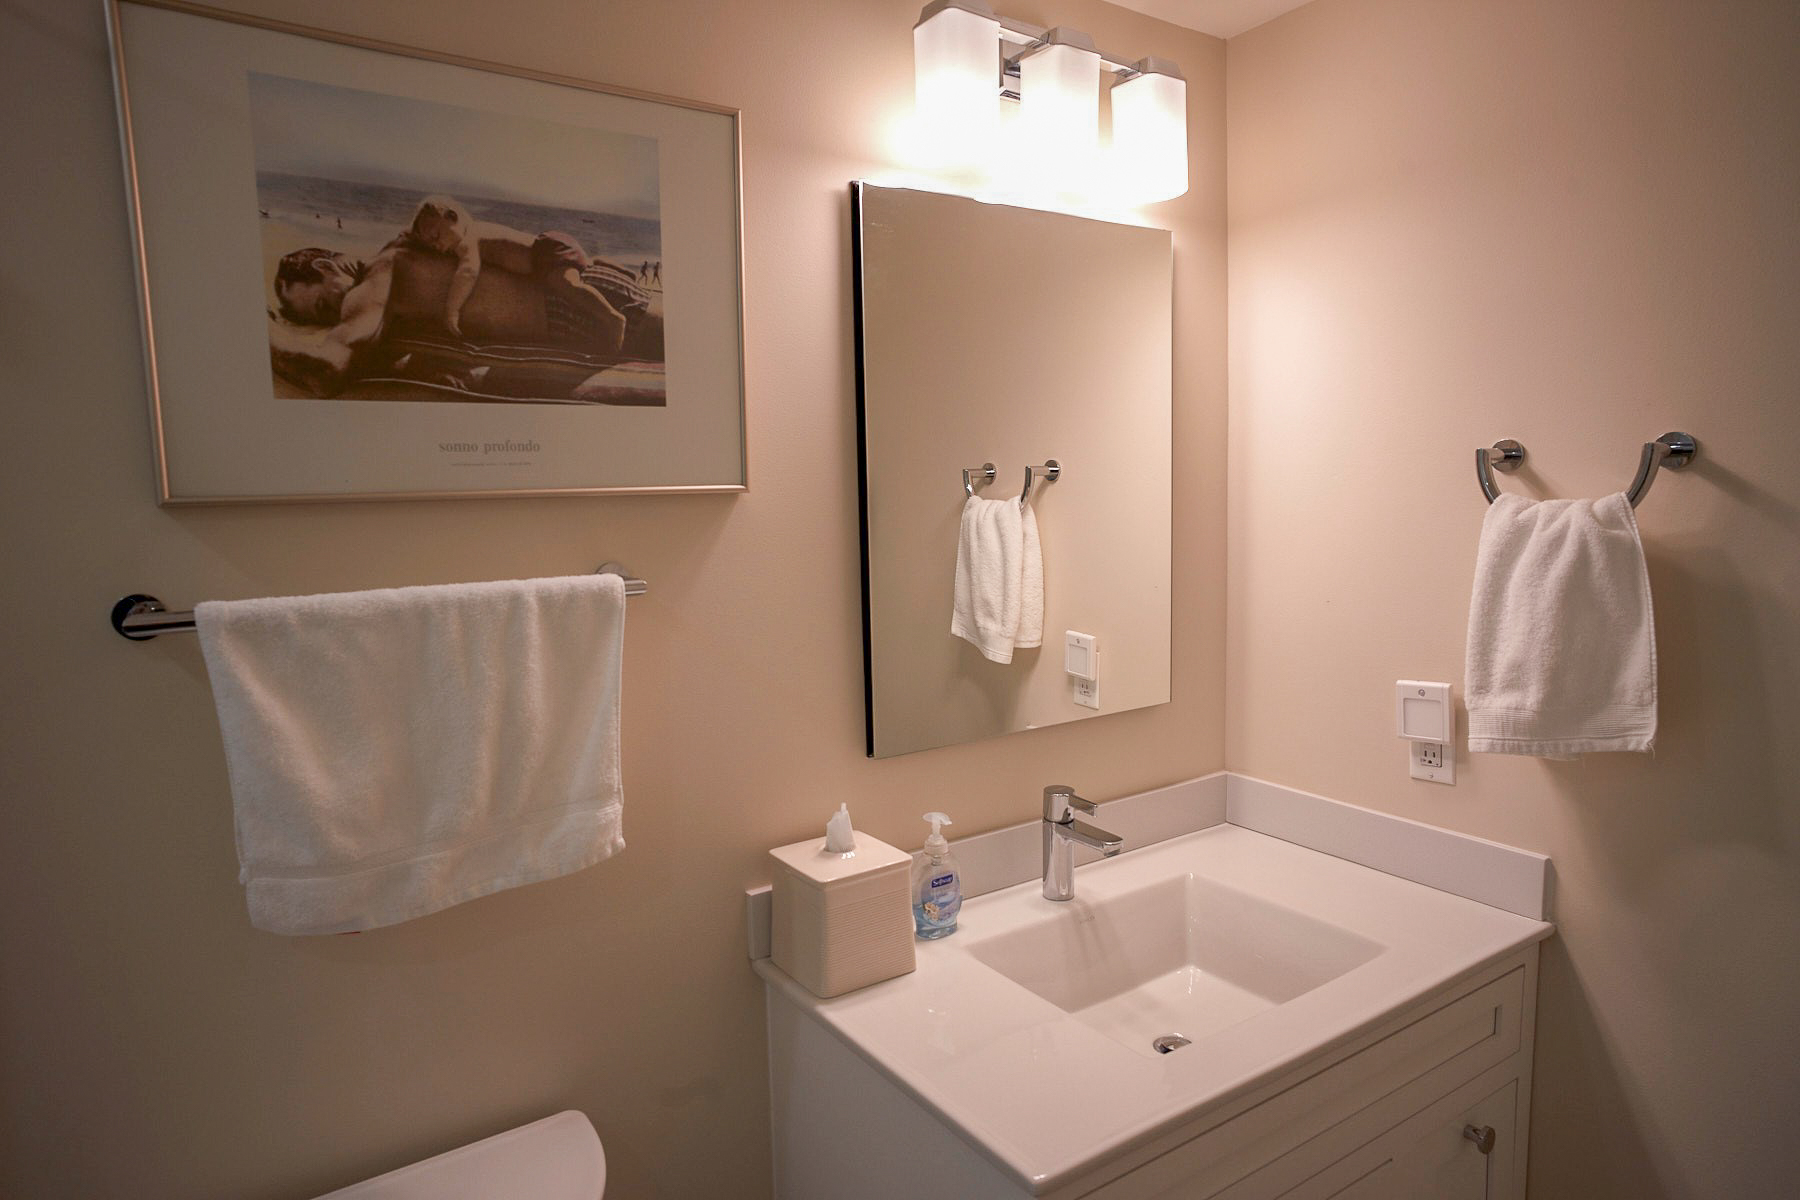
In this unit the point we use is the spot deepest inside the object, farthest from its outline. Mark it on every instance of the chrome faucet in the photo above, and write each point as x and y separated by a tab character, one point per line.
1061	832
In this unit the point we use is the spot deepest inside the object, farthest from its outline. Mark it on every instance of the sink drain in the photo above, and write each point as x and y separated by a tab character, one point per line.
1168	1043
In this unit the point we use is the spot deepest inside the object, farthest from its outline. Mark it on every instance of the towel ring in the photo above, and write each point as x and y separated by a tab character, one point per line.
1671	450
985	470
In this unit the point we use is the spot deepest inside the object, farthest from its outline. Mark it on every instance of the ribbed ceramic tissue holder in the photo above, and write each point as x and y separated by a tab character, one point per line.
841	921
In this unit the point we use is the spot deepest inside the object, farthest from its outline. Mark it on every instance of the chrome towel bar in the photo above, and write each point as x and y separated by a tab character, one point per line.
139	618
1672	450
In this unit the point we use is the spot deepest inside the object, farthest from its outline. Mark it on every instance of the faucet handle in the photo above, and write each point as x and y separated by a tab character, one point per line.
1059	798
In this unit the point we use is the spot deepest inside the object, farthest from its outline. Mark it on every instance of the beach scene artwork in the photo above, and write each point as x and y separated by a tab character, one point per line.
415	251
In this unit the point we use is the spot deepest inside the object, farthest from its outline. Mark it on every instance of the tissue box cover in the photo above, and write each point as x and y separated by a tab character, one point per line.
841	921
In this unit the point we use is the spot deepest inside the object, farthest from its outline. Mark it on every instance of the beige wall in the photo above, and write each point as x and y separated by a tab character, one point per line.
1571	222
152	1044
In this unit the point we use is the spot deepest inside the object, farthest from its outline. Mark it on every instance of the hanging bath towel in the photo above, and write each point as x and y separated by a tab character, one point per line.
395	752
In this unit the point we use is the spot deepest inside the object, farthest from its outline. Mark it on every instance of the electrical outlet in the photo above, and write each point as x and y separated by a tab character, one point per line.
1087	693
1433	762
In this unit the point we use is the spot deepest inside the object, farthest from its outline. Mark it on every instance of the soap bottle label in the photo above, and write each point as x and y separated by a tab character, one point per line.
938	902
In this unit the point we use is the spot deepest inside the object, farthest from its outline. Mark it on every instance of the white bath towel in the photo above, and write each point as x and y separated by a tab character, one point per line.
396	752
990	577
1562	641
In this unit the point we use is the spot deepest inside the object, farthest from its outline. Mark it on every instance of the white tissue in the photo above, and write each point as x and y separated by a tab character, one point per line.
838	836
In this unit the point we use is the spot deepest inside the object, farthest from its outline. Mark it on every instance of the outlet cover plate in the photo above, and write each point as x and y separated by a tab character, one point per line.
1434	762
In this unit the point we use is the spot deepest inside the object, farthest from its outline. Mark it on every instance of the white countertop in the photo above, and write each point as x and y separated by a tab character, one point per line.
1047	1096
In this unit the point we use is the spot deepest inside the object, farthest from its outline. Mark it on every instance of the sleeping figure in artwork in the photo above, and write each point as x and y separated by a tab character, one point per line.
443	225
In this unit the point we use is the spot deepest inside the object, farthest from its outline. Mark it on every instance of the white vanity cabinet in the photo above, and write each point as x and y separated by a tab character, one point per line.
1402	1111
1337	1029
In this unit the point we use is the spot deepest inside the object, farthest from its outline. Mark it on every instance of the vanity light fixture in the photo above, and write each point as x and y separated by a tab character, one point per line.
967	60
1059	109
1149	112
953	69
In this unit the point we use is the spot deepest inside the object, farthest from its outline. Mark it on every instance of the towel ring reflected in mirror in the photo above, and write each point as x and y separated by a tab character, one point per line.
985	473
1672	450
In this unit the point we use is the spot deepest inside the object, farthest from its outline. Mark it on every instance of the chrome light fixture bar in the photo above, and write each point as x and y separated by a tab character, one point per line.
967	58
1027	39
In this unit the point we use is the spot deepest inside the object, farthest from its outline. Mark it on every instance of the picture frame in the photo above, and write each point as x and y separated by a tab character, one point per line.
367	271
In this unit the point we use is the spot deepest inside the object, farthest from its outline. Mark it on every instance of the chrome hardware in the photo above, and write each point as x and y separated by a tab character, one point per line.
1482	1136
1169	1043
1062	831
1672	451
138	618
1512	456
985	470
141	618
1019	40
1052	471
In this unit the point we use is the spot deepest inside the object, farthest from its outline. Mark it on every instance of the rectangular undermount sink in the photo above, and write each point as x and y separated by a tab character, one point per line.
1184	958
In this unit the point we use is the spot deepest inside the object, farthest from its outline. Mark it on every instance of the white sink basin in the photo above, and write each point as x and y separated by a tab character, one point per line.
1184	957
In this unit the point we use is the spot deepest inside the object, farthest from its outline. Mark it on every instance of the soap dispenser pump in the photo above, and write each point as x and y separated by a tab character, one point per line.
937	884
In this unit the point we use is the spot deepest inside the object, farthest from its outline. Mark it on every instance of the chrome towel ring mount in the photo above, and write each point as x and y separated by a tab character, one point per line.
1672	451
1050	469
985	471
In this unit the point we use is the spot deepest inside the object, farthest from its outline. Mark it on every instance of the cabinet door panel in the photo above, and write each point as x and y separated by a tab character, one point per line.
1443	1164
1428	1157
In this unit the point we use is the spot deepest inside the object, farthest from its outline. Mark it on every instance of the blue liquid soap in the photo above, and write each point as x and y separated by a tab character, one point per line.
936	885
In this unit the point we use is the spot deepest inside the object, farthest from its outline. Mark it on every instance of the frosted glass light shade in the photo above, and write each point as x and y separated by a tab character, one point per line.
1149	140
956	74
1059	109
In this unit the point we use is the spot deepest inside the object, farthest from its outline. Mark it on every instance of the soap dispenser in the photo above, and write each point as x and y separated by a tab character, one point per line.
937	891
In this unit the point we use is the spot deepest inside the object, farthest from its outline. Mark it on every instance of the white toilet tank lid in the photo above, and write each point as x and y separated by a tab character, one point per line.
557	1158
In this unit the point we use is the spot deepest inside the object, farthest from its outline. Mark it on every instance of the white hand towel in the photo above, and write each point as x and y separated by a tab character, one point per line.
1031	585
396	752
990	556
1562	641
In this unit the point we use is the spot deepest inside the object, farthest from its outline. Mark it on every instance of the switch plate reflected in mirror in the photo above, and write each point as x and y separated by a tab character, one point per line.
991	333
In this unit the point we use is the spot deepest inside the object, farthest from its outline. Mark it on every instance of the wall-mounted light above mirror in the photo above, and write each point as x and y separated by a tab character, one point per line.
968	62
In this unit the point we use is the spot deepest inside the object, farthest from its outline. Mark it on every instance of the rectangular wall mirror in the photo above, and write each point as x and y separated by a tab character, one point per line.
987	333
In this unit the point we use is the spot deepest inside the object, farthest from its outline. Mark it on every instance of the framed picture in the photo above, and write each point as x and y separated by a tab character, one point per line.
371	272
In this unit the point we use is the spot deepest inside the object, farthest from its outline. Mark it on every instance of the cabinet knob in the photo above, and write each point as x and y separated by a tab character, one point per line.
1482	1136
